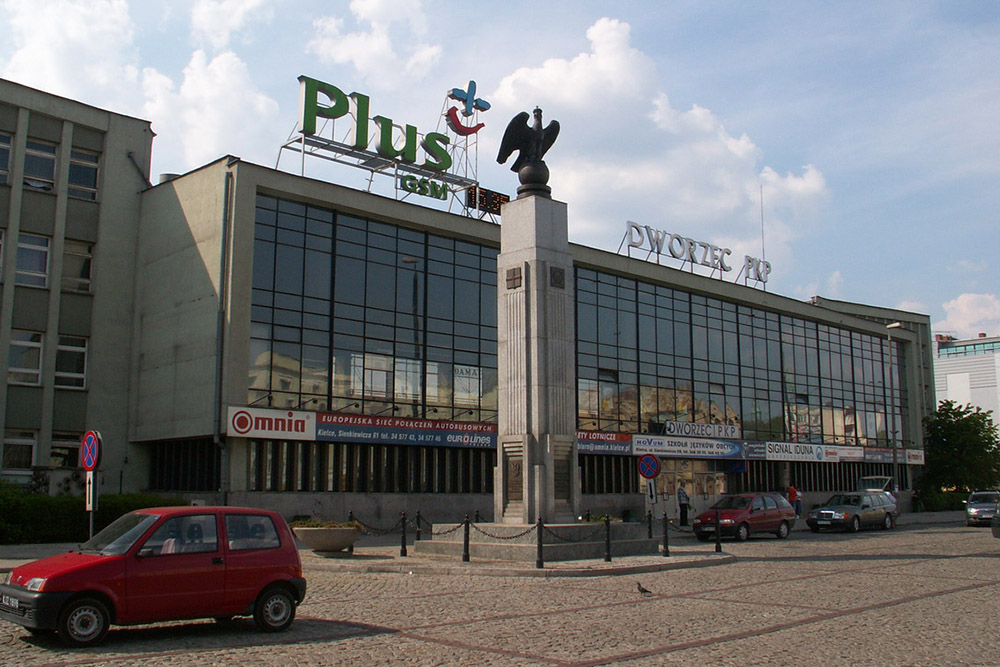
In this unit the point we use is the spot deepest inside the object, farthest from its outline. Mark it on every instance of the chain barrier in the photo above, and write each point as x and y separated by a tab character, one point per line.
503	537
585	538
456	527
368	529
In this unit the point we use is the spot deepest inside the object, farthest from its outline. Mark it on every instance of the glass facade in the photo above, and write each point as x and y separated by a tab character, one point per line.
648	354
361	317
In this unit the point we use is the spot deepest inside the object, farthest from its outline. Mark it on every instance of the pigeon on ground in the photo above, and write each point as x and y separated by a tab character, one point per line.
646	592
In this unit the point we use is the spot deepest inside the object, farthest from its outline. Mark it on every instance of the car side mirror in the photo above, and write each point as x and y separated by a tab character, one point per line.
145	552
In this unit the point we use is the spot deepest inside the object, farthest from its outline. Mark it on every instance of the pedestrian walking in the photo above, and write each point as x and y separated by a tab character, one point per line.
795	498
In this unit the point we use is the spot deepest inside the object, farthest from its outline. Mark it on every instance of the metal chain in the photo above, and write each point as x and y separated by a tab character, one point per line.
449	531
502	537
584	538
374	530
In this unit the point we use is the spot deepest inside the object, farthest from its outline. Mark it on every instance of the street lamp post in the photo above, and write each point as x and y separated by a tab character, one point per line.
891	425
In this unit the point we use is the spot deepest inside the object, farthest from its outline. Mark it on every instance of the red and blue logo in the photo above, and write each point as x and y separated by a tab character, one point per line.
470	104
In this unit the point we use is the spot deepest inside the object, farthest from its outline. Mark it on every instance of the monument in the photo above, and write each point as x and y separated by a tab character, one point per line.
537	475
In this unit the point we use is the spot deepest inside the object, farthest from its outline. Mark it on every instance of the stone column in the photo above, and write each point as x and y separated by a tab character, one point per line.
537	472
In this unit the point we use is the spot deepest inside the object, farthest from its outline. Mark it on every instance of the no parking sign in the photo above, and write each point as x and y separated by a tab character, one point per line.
90	459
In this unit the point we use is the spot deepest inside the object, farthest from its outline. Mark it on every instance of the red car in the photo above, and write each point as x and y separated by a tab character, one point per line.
161	564
743	514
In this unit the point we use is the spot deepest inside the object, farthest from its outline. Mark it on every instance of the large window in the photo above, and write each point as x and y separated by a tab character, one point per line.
78	257
71	362
65	450
412	316
24	359
649	354
4	157
18	449
83	174
40	166
32	260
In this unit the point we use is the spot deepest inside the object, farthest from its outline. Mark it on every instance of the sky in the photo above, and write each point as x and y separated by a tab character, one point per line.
853	145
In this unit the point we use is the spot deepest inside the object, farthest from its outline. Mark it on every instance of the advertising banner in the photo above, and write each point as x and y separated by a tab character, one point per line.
686	447
598	442
915	457
688	429
401	431
878	455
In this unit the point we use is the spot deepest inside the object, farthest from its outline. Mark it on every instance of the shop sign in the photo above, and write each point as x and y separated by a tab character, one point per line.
878	455
338	104
915	457
599	442
686	447
794	451
424	187
841	454
333	427
689	429
693	251
271	424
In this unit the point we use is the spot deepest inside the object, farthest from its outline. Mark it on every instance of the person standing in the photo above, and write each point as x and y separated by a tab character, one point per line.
795	498
683	501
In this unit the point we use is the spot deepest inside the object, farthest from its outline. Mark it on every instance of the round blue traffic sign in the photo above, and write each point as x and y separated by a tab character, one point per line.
649	466
90	451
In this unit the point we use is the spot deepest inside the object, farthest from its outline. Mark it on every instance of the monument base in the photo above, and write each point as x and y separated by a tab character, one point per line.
560	542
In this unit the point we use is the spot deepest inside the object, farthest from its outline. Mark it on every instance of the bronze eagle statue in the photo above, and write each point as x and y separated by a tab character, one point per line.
532	141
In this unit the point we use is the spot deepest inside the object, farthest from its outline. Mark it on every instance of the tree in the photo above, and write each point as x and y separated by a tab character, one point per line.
961	449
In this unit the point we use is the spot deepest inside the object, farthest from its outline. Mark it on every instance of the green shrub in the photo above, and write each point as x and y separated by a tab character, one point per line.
319	523
31	518
943	501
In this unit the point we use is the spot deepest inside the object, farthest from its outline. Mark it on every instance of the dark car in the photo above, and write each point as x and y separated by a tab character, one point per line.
744	514
853	511
162	564
981	507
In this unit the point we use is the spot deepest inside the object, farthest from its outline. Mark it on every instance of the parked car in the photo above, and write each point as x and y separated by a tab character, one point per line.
744	514
981	507
853	511
160	564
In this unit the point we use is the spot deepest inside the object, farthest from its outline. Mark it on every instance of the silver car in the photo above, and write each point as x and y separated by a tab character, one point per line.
981	507
854	510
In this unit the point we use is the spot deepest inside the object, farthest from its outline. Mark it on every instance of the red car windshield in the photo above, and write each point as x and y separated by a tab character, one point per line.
119	536
732	503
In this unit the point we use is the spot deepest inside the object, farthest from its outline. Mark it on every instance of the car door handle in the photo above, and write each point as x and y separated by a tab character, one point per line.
217	560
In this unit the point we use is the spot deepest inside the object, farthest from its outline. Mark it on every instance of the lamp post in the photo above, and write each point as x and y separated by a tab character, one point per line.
891	424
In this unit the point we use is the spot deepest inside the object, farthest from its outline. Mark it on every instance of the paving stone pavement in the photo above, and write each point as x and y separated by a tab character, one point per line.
923	594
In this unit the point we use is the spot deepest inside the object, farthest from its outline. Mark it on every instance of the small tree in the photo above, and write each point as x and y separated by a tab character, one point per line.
961	449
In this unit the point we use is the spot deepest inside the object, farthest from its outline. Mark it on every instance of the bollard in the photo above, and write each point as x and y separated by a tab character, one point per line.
718	533
607	539
465	541
402	533
476	515
666	540
586	516
350	549
539	557
649	524
416	538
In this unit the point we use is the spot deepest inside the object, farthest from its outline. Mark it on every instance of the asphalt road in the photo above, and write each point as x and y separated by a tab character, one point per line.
917	595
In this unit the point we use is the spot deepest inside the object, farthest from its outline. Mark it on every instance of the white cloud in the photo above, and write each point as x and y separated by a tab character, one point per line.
82	50
204	109
214	21
384	55
971	314
635	156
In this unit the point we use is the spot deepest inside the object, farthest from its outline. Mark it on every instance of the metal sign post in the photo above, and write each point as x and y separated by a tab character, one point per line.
90	459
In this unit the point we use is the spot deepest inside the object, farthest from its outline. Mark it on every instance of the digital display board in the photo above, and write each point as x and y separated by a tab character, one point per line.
488	201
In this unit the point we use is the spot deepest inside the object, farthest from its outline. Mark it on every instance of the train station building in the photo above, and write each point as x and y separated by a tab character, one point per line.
247	335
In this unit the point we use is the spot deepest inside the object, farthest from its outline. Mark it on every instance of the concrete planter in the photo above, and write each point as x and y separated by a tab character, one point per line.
327	539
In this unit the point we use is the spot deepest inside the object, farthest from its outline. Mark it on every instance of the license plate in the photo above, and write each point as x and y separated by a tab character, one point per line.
823	522
8	601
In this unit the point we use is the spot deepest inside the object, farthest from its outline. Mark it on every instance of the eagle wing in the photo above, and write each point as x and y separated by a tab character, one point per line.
517	136
549	135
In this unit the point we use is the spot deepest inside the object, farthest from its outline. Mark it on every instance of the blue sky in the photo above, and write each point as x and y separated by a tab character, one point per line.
870	128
